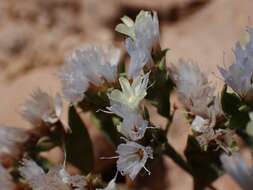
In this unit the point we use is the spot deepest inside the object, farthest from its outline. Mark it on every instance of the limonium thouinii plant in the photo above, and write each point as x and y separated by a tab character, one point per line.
118	94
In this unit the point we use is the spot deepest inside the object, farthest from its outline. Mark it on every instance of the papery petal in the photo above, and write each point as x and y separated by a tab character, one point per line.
89	64
6	182
239	75
132	158
235	166
41	108
11	140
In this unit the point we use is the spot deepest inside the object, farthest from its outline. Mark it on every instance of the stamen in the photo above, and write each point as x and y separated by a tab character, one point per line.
108	158
149	173
104	111
140	153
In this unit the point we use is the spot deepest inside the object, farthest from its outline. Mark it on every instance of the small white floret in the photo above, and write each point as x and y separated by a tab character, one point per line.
132	158
42	109
11	140
131	94
6	182
87	65
56	179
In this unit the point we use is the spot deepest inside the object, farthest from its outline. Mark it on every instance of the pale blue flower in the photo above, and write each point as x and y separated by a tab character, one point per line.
89	64
143	36
132	158
42	108
235	166
56	179
5	179
11	140
133	126
199	124
239	75
193	89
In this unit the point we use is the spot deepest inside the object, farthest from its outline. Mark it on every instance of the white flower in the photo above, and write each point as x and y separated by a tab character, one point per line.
88	64
222	138
207	135
56	179
132	158
193	88
199	124
76	181
239	74
42	108
131	95
235	166
143	36
133	126
5	179
11	140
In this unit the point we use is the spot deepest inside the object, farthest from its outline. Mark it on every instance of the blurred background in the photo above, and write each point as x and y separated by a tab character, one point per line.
36	35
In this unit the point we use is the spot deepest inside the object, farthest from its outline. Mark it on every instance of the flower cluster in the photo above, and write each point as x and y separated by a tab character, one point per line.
143	36
197	95
118	96
239	75
87	65
125	104
57	178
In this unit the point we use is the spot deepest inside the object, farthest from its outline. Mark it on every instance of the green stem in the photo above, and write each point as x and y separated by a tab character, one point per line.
172	153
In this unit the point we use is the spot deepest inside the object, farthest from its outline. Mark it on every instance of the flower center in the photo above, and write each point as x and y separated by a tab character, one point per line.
140	153
135	129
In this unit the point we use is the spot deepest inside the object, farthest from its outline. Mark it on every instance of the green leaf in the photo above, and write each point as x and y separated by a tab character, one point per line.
45	144
159	92
239	120
230	102
78	143
105	123
159	58
236	111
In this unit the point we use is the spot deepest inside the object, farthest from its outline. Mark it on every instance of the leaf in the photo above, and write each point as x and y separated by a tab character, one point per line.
230	102
239	120
106	125
235	110
159	58
159	92
78	143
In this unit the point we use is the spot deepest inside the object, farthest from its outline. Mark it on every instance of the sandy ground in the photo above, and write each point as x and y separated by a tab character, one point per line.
36	35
